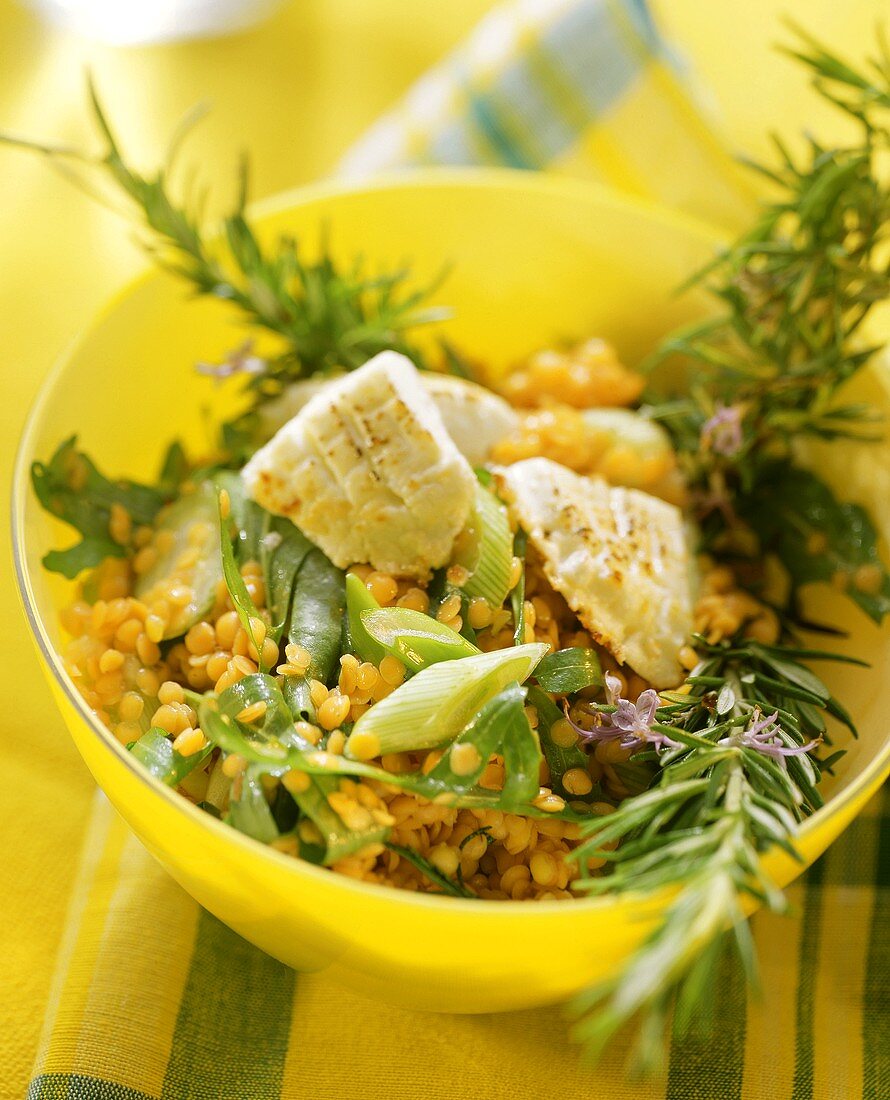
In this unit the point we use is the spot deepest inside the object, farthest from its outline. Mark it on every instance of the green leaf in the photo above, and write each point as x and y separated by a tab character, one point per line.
250	813
275	543
174	470
316	623
72	488
86	554
815	536
154	750
569	670
560	759
238	593
272	746
416	639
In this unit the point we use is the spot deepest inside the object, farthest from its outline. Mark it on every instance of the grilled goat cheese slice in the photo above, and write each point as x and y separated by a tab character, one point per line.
474	417
367	471
618	556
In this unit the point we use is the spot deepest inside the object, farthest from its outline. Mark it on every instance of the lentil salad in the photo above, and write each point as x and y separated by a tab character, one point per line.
702	772
146	646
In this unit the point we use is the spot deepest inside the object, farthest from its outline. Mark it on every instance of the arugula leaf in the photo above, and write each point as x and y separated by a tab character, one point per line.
273	746
250	813
71	487
816	537
241	598
559	759
175	469
154	750
569	670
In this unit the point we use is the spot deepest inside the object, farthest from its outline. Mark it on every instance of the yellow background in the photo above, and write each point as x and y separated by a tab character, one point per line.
295	92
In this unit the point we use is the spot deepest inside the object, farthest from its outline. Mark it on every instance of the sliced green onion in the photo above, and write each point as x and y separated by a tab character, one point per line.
192	517
517	596
359	600
154	750
569	670
415	638
432	707
491	560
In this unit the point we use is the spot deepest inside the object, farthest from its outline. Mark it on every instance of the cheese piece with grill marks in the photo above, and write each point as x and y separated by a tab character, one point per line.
474	417
368	472
618	556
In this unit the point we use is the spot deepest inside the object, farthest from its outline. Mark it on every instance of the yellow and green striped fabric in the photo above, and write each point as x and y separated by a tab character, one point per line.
154	998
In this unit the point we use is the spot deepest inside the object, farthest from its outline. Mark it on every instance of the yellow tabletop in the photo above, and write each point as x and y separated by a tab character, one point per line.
295	92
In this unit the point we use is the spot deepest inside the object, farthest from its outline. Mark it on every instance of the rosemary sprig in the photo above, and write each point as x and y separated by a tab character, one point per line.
327	316
734	772
794	292
735	758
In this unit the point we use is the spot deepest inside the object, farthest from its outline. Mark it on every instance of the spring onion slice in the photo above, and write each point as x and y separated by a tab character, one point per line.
154	750
358	601
517	596
493	557
416	639
433	707
191	524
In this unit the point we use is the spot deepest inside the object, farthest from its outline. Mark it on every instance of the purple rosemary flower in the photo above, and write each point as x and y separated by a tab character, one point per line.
240	360
630	724
722	434
763	736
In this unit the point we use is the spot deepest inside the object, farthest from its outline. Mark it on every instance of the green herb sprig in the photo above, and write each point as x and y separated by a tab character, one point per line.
327	316
736	759
736	775
794	293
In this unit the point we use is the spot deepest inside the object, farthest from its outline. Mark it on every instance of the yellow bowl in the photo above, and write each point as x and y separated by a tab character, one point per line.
533	260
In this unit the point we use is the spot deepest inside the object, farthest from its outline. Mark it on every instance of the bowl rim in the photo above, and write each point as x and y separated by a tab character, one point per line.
492	179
